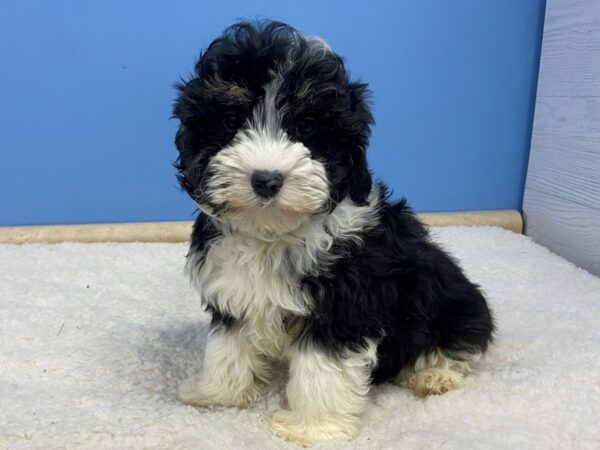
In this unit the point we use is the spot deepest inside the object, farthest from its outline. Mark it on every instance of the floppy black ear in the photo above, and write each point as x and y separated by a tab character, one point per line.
179	163
359	177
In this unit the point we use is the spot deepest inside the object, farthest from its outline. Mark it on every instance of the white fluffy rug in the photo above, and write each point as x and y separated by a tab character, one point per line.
95	337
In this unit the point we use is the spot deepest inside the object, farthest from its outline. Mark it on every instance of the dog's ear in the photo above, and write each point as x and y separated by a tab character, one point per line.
359	177
179	163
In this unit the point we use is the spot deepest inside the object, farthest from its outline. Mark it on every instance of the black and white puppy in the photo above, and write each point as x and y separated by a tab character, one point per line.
297	253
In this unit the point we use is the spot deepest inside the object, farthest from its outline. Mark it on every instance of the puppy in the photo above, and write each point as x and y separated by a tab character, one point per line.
297	253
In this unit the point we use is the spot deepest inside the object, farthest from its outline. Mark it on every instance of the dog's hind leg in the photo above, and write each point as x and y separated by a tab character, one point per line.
436	373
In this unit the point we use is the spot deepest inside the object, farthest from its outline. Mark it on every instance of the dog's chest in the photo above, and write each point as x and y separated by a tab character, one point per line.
253	281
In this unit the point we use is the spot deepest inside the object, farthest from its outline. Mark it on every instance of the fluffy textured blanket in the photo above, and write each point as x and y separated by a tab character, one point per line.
95	337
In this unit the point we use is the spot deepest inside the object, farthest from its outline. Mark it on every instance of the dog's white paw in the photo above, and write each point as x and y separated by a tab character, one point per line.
197	392
434	381
193	392
291	426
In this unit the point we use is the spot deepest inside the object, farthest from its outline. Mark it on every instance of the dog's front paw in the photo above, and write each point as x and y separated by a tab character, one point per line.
198	392
291	426
193	392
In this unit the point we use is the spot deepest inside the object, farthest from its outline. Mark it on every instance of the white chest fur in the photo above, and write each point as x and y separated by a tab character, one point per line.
244	275
252	281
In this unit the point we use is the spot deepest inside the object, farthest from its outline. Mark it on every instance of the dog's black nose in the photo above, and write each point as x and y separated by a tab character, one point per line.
267	184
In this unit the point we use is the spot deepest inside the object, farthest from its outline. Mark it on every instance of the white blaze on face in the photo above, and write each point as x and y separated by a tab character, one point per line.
261	144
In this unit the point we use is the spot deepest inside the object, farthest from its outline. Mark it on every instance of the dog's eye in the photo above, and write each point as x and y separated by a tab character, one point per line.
232	121
306	127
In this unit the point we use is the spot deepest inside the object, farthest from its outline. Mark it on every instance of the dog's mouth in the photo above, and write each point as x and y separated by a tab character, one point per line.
267	202
265	219
263	209
255	204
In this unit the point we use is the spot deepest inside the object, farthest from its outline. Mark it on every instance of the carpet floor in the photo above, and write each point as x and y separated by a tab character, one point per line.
94	339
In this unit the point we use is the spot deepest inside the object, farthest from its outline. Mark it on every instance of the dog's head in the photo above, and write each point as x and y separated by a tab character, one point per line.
272	130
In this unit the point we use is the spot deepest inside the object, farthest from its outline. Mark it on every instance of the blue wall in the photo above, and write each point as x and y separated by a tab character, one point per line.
86	92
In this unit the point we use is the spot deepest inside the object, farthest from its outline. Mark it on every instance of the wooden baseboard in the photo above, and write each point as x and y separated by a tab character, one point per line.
180	231
509	219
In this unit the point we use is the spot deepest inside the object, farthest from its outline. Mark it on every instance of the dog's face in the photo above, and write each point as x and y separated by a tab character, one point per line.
272	130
